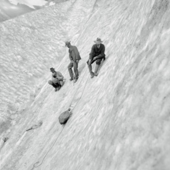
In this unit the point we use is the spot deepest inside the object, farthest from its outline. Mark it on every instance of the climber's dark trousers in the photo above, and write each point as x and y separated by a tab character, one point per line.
75	66
97	60
56	85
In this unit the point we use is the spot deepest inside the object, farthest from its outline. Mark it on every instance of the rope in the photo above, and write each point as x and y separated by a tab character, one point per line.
39	163
70	106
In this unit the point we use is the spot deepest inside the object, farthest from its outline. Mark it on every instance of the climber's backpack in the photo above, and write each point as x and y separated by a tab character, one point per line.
63	118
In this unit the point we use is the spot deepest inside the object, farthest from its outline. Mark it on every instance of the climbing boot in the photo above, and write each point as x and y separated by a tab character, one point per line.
96	70
92	74
95	74
75	80
58	88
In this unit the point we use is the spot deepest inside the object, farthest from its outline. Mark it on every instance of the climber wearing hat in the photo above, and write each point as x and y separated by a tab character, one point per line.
57	79
74	60
97	54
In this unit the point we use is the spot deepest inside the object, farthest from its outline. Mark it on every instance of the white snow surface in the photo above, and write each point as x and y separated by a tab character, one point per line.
121	119
30	3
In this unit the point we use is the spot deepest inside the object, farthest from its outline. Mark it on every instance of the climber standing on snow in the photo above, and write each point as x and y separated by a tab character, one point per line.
74	60
97	54
57	79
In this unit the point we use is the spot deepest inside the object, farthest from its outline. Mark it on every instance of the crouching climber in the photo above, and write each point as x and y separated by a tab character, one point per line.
57	79
97	54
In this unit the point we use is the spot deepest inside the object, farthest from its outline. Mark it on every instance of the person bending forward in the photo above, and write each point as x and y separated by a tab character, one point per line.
97	54
57	79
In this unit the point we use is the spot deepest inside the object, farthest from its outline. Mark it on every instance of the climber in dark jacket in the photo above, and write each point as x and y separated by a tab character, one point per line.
74	60
97	54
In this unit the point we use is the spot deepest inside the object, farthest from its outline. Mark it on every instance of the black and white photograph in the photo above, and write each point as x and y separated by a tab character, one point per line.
84	84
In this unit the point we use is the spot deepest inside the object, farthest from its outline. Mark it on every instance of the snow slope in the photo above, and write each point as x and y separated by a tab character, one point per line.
120	118
30	3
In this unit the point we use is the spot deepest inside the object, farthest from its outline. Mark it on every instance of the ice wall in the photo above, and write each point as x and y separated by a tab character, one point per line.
120	118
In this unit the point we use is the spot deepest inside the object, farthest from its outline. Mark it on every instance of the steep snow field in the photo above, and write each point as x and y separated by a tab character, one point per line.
13	8
30	3
121	119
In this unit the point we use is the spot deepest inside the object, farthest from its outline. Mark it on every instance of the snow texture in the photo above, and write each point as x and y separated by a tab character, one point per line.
30	3
121	119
